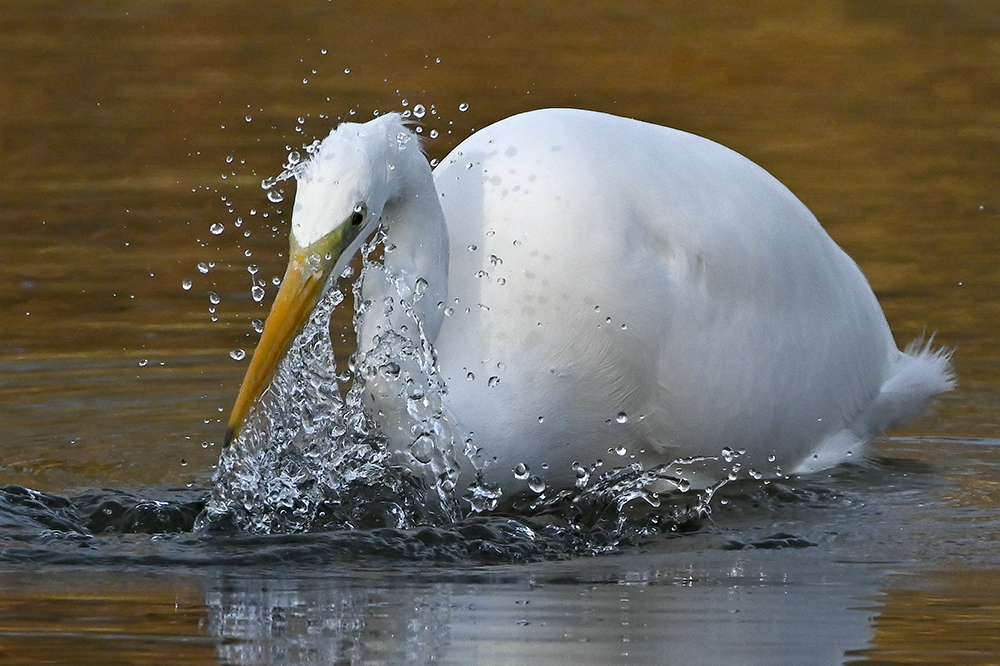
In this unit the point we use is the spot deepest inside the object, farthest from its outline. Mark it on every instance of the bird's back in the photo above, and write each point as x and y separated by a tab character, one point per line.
622	289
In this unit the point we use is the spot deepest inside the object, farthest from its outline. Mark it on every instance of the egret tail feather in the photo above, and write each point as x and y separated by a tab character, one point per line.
921	373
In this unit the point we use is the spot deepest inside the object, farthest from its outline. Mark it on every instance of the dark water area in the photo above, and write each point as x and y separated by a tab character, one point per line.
877	563
130	131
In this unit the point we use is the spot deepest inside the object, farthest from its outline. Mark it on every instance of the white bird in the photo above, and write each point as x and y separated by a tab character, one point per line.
596	287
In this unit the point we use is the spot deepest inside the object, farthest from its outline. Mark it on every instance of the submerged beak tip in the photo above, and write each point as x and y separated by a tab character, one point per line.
228	439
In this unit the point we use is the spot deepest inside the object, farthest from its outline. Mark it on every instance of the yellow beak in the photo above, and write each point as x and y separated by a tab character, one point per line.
300	290
305	278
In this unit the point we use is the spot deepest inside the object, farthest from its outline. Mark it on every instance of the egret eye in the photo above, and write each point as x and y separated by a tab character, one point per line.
358	216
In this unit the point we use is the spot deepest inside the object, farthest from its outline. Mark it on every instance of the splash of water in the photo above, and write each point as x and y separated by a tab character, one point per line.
398	364
309	457
312	458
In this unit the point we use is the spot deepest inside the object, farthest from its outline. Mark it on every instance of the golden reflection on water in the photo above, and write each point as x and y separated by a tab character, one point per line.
882	118
102	619
117	119
953	619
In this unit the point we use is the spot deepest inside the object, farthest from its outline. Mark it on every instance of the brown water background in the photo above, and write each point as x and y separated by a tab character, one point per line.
127	129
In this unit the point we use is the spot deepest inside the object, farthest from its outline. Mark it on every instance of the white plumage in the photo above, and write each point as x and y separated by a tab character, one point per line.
603	288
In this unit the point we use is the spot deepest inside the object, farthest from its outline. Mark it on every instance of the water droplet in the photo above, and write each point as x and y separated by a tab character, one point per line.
390	370
257	293
274	196
143	362
501	281
482	274
495	260
622	417
728	454
582	475
541	419
433	134
471	377
423	449
536	484
420	286
771	458
620	450
463	107
252	269
202	267
521	472
216	229
184	462
472	248
237	354
213	298
492	381
258	325
419	111
186	284
294	158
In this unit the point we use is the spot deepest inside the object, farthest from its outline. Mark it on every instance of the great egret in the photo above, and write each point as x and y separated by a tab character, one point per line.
595	286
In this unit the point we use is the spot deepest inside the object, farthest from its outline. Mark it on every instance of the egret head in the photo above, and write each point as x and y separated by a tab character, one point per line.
341	194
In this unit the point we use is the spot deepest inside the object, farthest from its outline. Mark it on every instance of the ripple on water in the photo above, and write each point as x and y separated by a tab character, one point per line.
158	528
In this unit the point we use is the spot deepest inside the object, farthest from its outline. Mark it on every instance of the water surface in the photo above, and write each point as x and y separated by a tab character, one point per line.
128	129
